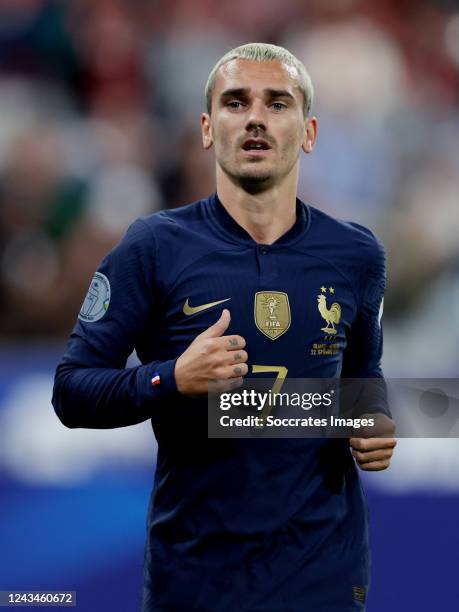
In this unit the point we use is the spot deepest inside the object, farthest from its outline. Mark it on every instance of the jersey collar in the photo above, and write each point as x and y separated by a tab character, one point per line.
225	222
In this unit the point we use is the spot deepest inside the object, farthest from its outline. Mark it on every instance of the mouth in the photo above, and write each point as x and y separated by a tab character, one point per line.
255	147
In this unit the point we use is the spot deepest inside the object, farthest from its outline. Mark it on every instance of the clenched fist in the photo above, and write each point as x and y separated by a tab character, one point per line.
212	357
374	449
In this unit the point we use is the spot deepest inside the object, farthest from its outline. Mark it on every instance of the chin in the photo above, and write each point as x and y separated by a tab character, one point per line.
251	177
259	177
255	173
255	182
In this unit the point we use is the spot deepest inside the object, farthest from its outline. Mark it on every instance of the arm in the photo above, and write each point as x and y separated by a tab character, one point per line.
363	353
363	360
92	388
99	398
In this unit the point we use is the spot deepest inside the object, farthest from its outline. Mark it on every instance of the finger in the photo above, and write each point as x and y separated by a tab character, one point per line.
219	327
237	357
222	386
240	369
368	457
369	444
215	386
235	342
230	343
233	371
375	466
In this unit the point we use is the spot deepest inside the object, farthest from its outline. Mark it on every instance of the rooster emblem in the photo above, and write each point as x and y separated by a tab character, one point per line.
331	315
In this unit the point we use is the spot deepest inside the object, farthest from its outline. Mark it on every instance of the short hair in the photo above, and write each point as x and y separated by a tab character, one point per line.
264	52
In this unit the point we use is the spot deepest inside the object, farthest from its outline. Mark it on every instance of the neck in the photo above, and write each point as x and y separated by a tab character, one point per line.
265	215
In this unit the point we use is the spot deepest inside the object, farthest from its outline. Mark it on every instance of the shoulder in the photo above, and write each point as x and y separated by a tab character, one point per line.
356	237
351	248
174	220
164	227
172	238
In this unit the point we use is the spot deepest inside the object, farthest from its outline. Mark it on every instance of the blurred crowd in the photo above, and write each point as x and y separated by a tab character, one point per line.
99	124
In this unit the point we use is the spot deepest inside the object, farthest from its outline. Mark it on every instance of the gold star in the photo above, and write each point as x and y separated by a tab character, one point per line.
331	290
323	289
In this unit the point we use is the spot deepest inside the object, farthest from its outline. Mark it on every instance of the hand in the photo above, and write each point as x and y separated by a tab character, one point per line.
212	357
374	453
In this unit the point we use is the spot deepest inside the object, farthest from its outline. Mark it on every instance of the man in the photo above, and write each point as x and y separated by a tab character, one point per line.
241	524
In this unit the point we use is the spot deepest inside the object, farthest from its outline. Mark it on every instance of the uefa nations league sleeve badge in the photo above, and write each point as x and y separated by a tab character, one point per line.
97	299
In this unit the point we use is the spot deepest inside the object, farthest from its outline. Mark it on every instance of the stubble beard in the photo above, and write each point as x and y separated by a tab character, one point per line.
250	179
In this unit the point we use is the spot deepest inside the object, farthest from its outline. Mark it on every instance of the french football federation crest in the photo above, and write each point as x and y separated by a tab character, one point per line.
272	313
331	315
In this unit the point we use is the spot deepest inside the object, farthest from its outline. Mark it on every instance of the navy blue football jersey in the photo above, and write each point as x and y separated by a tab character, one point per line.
234	524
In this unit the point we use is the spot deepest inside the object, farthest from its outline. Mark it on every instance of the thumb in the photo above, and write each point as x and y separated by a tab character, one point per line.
219	327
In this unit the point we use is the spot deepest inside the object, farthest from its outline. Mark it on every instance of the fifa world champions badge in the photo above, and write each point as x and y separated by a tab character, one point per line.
272	313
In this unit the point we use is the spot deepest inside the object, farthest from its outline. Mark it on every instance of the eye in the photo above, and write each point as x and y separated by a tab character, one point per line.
234	104
278	106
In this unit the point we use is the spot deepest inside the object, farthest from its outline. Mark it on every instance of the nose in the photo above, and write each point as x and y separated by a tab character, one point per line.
256	118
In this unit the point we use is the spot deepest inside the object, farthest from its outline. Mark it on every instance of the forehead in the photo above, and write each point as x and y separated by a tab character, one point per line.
256	75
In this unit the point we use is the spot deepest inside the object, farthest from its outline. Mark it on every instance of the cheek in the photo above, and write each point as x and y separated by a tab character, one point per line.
222	137
292	144
288	132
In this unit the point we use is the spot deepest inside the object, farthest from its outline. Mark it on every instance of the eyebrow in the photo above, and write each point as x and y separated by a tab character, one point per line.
243	91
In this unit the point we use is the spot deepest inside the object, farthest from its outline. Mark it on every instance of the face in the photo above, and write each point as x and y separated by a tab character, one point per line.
257	125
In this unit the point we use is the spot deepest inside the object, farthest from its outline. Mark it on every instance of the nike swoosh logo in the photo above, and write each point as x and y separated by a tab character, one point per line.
190	310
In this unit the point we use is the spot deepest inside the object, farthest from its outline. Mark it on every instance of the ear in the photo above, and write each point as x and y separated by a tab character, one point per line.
206	131
310	134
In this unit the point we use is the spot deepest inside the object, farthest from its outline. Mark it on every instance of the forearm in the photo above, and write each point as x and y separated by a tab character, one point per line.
104	398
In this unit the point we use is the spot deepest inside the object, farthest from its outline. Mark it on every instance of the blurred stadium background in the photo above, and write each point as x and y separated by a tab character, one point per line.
99	123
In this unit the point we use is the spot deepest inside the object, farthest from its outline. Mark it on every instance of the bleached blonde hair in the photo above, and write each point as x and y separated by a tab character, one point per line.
264	52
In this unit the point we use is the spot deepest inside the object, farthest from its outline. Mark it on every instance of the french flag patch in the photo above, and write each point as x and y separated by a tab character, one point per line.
156	380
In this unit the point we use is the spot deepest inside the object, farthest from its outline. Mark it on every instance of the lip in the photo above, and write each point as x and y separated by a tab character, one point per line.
255	141
255	152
